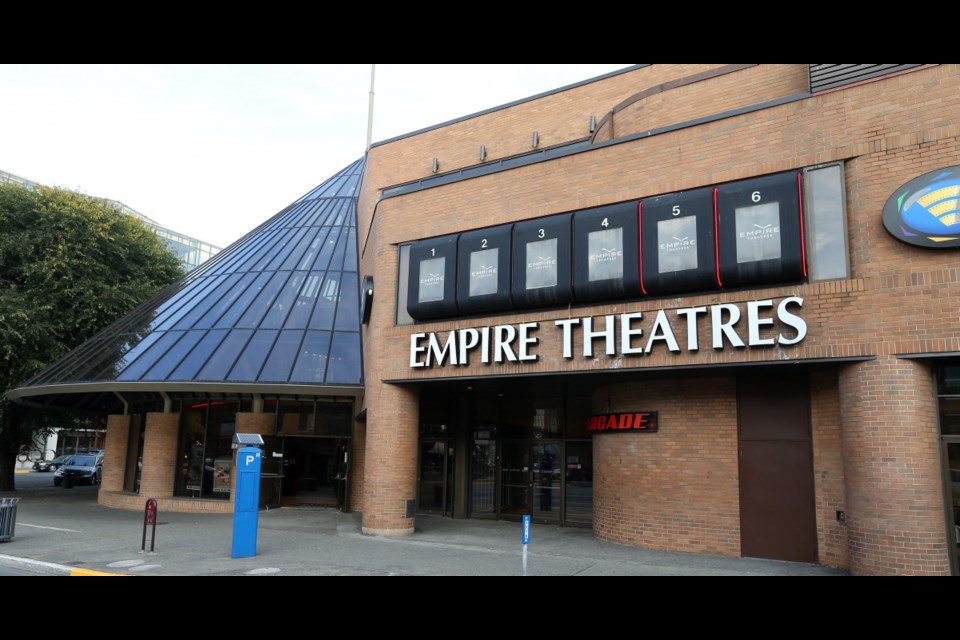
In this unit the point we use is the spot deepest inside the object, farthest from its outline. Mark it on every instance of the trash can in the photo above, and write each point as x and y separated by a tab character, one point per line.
8	518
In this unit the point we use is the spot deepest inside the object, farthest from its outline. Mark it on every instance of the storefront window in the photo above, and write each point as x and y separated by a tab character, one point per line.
205	451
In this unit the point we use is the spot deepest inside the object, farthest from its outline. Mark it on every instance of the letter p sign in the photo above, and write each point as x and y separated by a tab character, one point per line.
249	461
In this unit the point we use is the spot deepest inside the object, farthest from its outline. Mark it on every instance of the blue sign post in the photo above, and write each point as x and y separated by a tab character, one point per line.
246	507
525	538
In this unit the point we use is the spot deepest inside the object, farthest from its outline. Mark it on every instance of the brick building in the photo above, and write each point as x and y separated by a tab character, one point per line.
706	308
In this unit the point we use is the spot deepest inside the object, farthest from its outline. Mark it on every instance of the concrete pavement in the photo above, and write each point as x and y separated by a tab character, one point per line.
67	528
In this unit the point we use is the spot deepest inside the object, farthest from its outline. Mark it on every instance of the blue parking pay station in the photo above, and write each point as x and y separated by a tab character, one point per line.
246	508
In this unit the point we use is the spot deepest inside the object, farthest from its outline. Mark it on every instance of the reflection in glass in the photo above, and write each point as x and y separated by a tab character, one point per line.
953	463
826	220
950	416
173	356
605	254
223	358
277	368
252	357
578	473
311	364
432	273
542	264
758	232
483	272
677	244
344	366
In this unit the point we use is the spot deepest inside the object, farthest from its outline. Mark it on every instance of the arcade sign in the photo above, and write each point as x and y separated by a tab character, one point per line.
633	422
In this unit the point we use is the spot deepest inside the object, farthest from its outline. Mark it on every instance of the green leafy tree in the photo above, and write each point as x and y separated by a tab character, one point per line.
69	266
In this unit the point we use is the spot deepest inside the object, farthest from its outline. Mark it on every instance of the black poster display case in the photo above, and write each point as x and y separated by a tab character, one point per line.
541	262
432	281
760	226
678	243
606	260
483	280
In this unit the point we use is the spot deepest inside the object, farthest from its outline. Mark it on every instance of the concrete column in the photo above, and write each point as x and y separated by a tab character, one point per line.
115	456
263	423
895	515
390	465
159	455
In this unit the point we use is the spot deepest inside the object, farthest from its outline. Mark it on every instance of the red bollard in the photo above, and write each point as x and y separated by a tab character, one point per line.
149	518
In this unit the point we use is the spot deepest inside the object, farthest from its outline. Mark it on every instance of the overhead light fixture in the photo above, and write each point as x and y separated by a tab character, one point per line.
536	139
483	152
593	123
436	165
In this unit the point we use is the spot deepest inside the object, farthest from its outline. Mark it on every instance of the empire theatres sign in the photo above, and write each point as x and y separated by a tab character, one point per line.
768	323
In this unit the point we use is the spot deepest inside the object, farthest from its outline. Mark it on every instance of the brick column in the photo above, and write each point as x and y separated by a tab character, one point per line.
390	463
263	423
115	456
895	516
357	465
159	455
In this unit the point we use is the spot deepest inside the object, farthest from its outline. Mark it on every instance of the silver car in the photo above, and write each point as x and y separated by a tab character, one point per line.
82	468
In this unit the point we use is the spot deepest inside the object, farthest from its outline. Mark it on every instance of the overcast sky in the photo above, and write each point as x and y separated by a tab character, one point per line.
212	151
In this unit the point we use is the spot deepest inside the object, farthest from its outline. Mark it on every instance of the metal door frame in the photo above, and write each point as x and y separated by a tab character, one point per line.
446	512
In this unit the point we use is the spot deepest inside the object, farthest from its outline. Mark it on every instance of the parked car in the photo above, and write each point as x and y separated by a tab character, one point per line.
81	468
49	465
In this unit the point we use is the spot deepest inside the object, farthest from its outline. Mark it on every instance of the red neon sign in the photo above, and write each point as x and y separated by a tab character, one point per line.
643	421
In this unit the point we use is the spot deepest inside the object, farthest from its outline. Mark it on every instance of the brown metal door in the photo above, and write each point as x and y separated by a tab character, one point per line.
777	504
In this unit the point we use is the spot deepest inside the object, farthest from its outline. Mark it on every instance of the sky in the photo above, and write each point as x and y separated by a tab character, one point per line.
214	150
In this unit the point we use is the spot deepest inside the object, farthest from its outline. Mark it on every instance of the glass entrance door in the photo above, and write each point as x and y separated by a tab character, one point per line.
953	496
435	493
531	480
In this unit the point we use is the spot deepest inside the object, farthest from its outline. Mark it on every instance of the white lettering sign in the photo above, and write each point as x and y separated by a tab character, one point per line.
619	335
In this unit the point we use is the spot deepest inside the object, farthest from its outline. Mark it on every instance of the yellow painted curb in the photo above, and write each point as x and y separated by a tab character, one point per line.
21	471
92	573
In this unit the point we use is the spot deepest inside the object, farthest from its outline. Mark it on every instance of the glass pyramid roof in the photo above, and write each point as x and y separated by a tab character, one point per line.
278	307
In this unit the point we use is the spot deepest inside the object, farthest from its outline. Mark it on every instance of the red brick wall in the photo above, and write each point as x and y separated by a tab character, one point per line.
676	490
892	463
357	465
159	455
391	460
829	481
115	453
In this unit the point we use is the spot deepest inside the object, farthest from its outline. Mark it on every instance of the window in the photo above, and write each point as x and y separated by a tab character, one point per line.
826	223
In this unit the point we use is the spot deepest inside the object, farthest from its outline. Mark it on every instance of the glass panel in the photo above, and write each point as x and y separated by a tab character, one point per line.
223	358
174	355
326	251
677	244
436	414
531	417
237	287
312	363
306	299
302	247
542	264
348	311
296	419
334	419
336	262
432	273
605	254
547	478
148	359
243	301
402	285
198	355
515	478
483	272
252	357
579	410
579	477
950	416
314	249
949	380
282	357
218	455
326	305
259	307
226	283
953	463
198	289
483	475
345	365
282	304
826	219
350	262
189	478
288	249
758	232
434	490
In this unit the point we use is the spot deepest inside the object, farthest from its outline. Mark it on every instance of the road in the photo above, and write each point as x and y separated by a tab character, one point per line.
6	571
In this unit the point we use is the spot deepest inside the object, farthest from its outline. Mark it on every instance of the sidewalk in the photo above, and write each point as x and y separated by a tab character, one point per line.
68	528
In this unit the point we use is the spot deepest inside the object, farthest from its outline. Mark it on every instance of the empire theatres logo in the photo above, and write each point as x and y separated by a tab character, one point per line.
678	244
483	272
542	263
606	255
925	212
761	231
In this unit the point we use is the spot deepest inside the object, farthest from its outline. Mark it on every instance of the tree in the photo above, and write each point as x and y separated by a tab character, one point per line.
69	266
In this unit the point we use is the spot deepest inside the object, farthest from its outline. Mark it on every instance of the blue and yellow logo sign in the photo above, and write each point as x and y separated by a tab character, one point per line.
925	212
